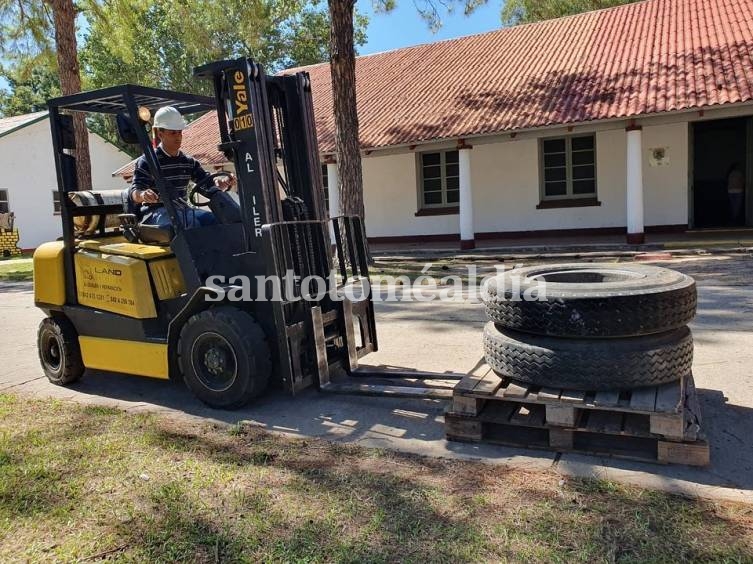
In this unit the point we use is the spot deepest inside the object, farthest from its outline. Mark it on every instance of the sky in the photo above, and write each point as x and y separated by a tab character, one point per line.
403	26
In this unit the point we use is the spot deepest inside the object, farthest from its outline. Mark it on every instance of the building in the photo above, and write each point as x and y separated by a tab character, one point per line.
29	185
624	120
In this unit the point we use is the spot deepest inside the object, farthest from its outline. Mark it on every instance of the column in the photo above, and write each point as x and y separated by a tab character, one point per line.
635	231
467	235
333	192
333	189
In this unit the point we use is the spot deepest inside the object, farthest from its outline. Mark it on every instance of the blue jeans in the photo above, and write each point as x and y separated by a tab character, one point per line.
189	217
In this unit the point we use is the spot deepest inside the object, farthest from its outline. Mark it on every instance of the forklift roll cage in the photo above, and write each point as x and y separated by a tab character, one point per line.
267	130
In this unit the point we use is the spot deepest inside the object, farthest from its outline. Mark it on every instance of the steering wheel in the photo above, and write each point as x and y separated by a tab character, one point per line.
206	188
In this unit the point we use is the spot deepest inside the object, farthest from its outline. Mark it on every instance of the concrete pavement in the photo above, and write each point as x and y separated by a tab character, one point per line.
435	336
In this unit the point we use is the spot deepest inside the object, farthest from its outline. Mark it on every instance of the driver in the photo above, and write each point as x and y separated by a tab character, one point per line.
178	169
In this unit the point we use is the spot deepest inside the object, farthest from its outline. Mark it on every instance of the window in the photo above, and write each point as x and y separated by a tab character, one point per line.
568	168
325	184
439	179
4	207
55	202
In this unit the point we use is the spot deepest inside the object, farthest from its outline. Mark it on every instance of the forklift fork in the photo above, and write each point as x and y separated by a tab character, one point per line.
327	335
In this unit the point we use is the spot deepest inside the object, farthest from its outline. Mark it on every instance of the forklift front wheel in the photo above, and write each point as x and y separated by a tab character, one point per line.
59	353
224	357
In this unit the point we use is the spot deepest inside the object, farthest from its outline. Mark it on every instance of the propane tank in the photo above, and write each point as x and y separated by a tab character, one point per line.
88	224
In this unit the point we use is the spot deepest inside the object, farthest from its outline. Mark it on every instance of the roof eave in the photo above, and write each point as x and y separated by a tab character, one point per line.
37	119
617	119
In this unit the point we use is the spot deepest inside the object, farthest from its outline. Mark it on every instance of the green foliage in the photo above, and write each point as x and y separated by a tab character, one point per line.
527	11
155	44
29	68
159	44
29	87
26	29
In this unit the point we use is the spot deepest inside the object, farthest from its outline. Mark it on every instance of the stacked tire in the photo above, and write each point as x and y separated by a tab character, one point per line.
590	326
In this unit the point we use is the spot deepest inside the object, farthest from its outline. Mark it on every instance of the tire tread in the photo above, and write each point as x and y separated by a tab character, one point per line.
247	330
624	312
73	364
589	365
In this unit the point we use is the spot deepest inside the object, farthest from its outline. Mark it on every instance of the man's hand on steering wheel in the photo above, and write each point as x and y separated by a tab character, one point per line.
226	183
208	187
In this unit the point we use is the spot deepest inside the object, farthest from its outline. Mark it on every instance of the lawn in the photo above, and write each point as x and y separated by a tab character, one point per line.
86	483
16	270
24	255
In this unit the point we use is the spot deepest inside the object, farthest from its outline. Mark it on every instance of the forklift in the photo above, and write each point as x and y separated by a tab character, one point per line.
157	301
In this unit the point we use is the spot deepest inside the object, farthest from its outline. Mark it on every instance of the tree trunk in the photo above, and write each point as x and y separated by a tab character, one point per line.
343	70
64	15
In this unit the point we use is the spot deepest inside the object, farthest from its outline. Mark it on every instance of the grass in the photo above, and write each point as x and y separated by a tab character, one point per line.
15	257
86	483
17	271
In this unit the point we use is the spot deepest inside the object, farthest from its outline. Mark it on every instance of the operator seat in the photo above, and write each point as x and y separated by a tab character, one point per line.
137	232
156	234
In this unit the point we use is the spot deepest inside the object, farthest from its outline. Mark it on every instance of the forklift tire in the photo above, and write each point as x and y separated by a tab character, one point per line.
591	300
590	365
59	352
224	357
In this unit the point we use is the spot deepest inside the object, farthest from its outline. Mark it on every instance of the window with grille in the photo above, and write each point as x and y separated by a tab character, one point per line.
568	167
439	179
4	205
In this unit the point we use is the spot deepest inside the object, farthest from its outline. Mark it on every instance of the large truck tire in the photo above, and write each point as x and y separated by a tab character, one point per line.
586	364
591	300
224	357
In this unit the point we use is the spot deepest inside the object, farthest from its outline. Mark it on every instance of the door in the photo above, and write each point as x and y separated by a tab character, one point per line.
720	173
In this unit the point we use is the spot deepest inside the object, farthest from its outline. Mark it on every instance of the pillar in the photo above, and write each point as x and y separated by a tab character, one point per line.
635	230
333	189
467	235
333	192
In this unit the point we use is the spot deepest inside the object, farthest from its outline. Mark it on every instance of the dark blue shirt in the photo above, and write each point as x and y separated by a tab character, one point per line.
178	171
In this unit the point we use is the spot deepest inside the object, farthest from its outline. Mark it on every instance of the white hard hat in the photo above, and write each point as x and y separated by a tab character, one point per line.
169	118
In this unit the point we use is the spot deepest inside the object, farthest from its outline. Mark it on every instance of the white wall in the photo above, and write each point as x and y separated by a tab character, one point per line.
506	188
391	199
28	166
505	176
665	188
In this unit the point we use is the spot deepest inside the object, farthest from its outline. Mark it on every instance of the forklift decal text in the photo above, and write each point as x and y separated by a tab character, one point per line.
257	217
242	119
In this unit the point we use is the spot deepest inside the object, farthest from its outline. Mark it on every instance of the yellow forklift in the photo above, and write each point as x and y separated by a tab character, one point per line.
159	301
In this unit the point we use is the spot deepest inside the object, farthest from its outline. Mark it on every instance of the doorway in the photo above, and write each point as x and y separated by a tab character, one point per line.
721	182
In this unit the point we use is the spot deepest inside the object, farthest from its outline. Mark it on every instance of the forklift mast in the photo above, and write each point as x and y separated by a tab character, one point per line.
267	130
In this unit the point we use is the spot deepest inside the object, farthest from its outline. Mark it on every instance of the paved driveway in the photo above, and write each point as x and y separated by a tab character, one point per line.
435	336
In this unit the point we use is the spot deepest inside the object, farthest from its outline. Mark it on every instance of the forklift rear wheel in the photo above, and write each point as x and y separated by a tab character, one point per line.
59	353
224	357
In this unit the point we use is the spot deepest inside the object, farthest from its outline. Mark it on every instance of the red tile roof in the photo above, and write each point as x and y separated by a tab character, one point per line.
642	58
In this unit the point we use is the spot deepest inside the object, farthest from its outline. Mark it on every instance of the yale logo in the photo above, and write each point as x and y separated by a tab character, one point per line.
242	120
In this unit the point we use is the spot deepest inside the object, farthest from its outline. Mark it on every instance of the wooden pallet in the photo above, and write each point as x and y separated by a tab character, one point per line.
579	422
660	406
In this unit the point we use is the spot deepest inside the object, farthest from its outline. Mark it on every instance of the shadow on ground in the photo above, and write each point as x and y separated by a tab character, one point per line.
417	426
